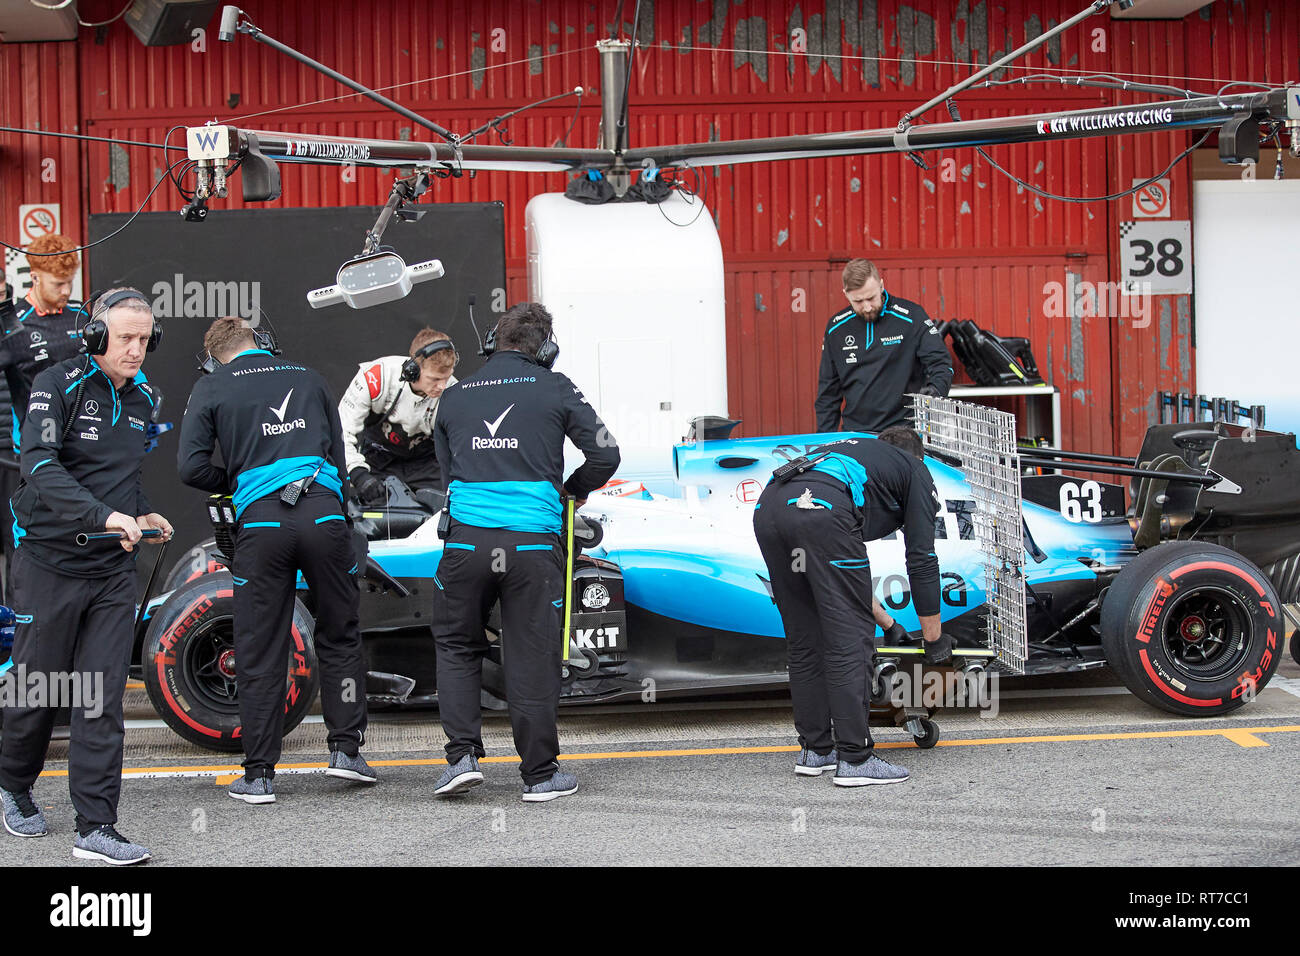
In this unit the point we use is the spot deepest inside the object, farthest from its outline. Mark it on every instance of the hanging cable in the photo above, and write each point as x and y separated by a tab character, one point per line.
952	110
91	245
397	86
104	23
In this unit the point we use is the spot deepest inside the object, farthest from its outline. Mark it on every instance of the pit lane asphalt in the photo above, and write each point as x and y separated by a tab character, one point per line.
1075	773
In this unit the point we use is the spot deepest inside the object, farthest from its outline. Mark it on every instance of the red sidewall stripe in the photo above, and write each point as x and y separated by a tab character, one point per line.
1218	566
1155	679
162	677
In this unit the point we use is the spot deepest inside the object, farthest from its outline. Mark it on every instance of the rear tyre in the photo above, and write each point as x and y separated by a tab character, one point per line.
1192	628
190	668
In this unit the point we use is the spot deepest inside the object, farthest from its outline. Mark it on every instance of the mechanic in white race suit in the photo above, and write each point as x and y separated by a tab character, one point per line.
388	412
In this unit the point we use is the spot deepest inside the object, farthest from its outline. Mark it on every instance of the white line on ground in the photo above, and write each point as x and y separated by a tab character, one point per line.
1288	684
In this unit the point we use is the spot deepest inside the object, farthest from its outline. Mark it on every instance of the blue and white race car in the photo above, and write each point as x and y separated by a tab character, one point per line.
1181	591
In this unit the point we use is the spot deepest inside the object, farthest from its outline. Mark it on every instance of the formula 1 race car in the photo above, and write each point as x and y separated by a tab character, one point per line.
1181	592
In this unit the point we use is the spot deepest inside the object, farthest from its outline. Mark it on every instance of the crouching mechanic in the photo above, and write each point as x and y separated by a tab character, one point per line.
500	435
811	522
83	445
388	412
278	429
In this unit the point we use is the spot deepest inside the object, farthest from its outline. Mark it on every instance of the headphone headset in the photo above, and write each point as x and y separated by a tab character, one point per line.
545	357
264	338
411	367
94	334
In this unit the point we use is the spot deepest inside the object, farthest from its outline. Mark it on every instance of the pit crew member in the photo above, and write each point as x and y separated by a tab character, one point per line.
83	446
388	413
875	352
500	434
811	522
282	446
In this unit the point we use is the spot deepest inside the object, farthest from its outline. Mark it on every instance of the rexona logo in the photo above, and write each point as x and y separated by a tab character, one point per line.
493	442
282	427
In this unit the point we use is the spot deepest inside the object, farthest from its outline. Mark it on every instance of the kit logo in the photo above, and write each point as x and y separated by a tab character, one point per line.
92	434
850	342
493	442
282	427
37	339
891	340
596	638
92	407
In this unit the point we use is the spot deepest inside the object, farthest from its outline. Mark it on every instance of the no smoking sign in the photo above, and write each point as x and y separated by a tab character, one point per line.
36	220
1151	201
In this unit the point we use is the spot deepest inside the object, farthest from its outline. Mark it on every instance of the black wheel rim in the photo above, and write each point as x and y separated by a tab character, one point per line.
1207	633
208	665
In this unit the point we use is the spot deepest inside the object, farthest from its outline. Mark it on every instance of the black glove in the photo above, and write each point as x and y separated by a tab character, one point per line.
940	651
929	390
369	489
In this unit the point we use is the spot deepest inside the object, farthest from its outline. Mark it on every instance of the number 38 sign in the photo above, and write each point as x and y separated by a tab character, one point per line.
1156	256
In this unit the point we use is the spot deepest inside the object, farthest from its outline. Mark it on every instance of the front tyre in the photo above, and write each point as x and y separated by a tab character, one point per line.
1192	628
190	669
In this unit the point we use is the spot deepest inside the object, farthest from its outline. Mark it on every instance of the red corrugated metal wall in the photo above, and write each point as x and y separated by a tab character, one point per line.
959	238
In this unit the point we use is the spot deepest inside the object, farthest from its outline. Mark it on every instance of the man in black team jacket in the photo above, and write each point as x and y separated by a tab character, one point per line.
278	428
83	445
873	354
811	526
40	329
500	438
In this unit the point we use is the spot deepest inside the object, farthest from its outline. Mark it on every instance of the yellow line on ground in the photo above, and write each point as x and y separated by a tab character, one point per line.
225	773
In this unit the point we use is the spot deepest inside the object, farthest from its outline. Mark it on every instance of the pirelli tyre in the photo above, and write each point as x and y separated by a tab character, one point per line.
190	671
197	561
1192	628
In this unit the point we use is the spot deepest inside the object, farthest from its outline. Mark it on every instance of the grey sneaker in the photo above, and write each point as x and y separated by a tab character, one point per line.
106	844
871	771
561	784
257	790
461	776
350	768
813	764
23	817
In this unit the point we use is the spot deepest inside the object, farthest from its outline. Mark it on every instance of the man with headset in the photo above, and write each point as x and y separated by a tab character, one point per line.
500	435
282	449
83	446
388	412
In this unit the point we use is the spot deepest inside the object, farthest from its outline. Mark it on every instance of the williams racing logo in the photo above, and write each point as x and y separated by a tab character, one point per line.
478	443
1120	119
281	427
